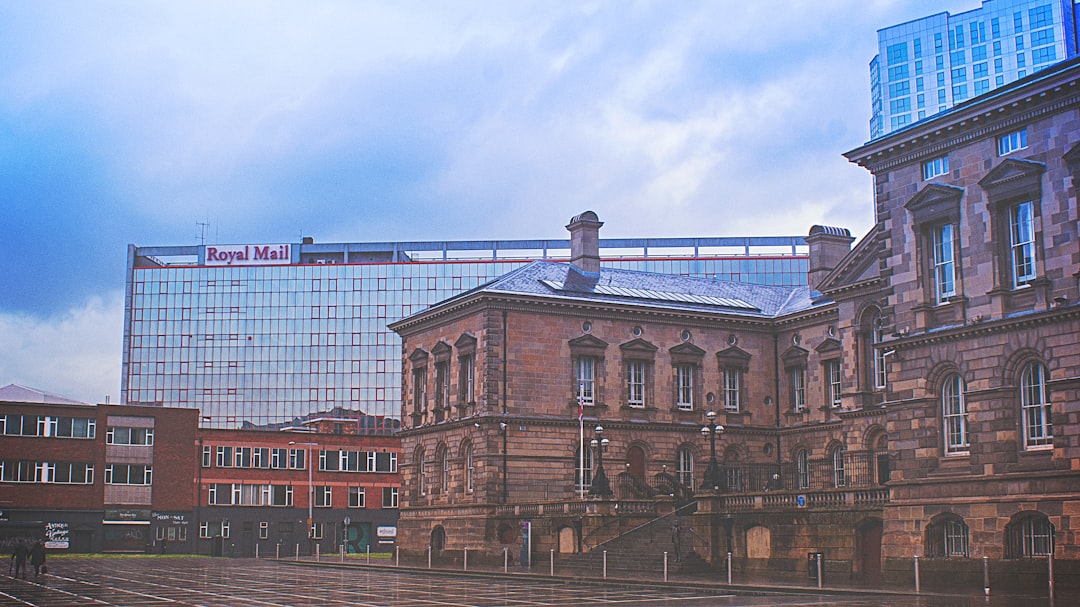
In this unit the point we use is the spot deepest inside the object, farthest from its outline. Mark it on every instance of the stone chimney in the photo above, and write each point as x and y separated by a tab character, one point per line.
585	242
828	247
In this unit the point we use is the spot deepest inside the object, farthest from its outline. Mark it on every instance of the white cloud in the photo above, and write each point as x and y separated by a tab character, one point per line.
75	354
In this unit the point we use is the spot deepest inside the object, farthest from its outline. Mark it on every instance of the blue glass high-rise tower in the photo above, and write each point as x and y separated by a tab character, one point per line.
928	65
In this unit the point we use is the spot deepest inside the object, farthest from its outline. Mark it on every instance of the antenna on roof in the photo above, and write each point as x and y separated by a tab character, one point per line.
202	227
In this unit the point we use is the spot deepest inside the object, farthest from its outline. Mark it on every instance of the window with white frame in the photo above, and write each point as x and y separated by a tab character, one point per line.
264	530
877	336
944	248
833	386
684	467
357	497
839	468
467	378
470	468
935	167
954	415
1036	407
586	380
390	497
802	468
684	387
635	383
732	389
324	496
797	377
1011	142
583	469
1022	242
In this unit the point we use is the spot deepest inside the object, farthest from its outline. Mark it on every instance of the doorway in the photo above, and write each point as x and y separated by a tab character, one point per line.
868	544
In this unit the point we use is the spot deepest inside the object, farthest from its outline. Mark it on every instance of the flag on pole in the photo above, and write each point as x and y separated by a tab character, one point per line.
581	438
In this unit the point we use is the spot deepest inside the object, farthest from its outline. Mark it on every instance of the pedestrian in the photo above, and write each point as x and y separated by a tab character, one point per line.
37	558
19	556
676	539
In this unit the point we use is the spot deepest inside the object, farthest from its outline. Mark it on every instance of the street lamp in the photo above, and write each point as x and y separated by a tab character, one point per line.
311	491
711	430
600	485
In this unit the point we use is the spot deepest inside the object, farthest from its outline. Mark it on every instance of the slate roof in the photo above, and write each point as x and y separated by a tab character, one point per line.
21	394
563	280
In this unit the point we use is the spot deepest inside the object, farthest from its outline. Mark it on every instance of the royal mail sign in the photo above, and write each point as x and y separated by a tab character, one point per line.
248	255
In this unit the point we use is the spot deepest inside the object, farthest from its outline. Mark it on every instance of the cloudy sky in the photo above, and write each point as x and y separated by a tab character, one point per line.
134	122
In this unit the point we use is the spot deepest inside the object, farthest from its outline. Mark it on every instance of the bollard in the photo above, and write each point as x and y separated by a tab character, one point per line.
819	576
297	555
986	575
506	558
665	565
465	561
552	562
916	574
429	557
343	553
605	564
256	552
397	556
369	554
318	552
729	568
277	552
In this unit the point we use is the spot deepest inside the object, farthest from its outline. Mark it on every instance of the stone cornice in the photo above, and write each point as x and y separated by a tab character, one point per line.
989	327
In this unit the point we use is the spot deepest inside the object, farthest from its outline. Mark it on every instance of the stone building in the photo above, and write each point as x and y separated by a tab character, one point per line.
917	399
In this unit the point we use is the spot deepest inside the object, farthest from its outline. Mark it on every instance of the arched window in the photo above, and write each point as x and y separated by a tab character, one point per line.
421	472
877	336
1029	534
583	472
442	467
684	467
802	464
838	465
469	468
954	415
438	539
1035	405
947	536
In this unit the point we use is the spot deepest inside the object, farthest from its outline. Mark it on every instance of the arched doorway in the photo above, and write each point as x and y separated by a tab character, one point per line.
438	539
567	540
868	550
635	460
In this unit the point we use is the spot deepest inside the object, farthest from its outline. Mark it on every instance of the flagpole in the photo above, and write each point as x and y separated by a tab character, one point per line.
581	438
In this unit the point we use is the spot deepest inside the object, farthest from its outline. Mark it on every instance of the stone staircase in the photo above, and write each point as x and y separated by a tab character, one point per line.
641	550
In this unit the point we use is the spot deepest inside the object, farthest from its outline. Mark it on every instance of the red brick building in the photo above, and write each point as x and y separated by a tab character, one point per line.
124	478
919	399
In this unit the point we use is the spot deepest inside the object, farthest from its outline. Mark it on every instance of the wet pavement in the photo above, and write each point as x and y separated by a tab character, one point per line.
207	582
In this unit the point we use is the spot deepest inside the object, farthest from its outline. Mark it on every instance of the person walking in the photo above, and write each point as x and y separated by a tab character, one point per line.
37	558
19	556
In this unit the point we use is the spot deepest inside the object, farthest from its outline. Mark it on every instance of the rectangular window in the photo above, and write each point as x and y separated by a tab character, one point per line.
390	497
1017	140
899	106
944	263
420	389
1022	242
1043	55
959	75
732	389
357	497
264	530
467	379
935	167
684	387
897	53
635	383
954	416
1040	16
129	436
324	496
1042	37
833	385
586	380
899	72
980	70
798	389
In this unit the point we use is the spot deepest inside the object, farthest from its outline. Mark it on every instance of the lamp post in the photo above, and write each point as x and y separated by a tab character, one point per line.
710	431
600	485
311	492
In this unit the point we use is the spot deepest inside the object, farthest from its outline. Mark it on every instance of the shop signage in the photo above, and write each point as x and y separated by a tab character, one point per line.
166	518
56	535
386	531
248	255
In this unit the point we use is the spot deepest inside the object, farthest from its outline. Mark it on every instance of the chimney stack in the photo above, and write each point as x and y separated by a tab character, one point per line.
828	247
585	242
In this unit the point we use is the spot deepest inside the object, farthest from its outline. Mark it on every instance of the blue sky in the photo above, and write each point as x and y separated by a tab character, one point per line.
132	122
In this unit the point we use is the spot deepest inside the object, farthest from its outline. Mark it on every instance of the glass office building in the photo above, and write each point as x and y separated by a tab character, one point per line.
928	65
279	335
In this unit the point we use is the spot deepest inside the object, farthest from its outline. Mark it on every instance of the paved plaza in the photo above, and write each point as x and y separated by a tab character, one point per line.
207	582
